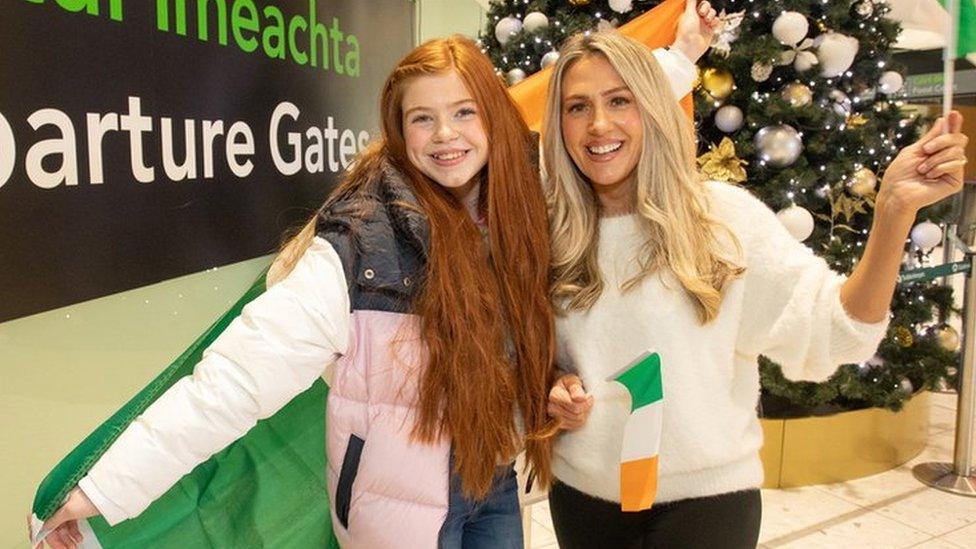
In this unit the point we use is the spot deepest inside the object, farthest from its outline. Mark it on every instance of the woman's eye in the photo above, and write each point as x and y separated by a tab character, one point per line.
421	119
466	113
619	101
575	108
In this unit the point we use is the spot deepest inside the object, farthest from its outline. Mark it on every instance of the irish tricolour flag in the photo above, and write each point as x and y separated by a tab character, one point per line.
642	434
267	489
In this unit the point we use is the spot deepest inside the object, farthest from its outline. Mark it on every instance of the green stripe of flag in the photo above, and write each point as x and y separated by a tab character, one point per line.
643	380
267	489
966	25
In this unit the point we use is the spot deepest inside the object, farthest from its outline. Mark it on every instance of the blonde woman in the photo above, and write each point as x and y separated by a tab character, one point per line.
651	265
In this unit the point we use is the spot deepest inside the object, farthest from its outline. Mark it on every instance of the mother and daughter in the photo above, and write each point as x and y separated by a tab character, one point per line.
467	311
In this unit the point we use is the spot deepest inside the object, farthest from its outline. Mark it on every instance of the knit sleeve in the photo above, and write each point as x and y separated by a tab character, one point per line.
278	346
680	70
791	308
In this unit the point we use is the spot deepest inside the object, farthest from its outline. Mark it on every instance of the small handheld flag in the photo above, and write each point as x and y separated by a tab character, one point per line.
642	433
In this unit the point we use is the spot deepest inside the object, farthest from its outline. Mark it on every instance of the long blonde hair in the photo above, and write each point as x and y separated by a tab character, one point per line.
670	200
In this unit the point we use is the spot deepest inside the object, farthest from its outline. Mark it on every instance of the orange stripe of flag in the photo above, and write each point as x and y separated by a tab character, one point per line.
655	29
638	484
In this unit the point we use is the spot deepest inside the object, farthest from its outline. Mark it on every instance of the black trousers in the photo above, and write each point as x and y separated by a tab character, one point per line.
727	521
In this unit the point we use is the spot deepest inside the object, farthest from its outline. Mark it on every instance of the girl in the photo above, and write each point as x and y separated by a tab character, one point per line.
433	306
655	268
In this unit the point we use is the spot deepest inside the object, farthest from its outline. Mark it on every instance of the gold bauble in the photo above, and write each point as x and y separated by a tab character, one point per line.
797	94
698	78
856	120
863	182
903	336
948	338
717	82
579	2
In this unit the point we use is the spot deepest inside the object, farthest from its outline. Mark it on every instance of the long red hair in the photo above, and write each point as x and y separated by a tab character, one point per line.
487	322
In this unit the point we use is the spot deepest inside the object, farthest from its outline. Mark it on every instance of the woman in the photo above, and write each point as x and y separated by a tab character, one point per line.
654	267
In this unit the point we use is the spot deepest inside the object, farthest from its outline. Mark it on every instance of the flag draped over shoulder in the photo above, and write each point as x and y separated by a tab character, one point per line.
267	489
655	29
642	432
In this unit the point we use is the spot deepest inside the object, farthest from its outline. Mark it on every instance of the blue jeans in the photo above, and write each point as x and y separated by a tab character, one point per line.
492	523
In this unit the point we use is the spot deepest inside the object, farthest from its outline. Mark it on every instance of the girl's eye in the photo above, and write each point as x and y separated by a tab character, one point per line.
421	118
466	112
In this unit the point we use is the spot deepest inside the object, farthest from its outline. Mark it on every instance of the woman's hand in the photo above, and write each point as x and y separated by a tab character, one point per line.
63	524
926	171
569	403
696	29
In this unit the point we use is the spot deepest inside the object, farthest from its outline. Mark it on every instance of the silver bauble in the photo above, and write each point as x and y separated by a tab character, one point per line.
514	76
505	28
728	118
779	146
841	103
549	59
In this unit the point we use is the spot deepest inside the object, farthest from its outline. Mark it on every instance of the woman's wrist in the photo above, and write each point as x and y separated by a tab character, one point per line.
893	211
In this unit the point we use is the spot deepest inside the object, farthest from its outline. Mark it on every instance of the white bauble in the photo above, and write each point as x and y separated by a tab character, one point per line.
798	221
890	82
780	145
535	21
836	52
621	6
790	27
926	235
505	28
549	59
728	118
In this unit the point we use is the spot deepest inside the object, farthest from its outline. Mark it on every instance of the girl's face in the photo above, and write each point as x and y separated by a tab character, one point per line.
443	131
601	122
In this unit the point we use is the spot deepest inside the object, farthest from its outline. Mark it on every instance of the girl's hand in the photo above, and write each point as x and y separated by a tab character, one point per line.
697	28
569	403
63	524
925	171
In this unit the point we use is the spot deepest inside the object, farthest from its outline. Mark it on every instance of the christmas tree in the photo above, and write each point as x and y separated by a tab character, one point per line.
797	102
523	36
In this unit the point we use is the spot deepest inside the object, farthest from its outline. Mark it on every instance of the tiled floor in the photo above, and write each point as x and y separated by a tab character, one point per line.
891	510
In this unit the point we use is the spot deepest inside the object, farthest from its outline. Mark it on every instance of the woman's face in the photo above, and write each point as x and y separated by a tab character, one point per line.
601	122
443	131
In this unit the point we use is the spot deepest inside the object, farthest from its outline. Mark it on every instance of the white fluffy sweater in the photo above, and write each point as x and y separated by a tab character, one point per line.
786	306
